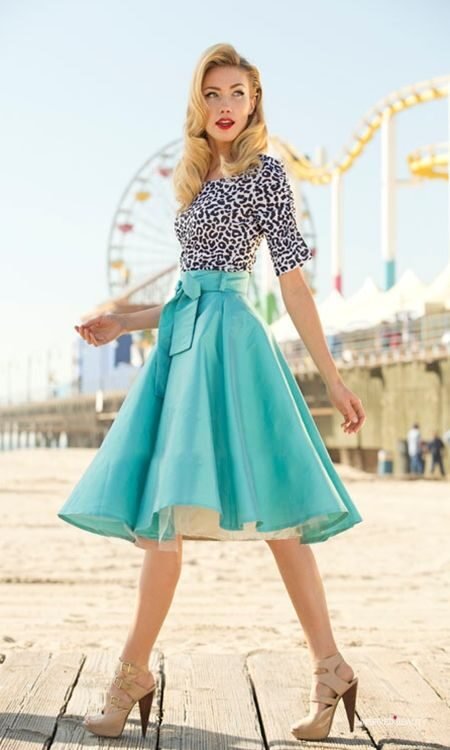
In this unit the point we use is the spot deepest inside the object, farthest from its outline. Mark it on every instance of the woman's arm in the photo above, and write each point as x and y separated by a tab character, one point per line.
141	319
106	327
302	309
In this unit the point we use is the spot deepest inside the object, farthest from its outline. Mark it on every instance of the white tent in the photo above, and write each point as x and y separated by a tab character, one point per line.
404	296
329	310
437	294
334	301
368	306
283	329
354	312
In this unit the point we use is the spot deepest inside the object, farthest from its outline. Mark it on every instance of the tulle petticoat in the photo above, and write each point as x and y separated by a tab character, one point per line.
192	522
214	439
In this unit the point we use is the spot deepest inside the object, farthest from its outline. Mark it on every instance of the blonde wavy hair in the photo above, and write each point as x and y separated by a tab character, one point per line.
190	172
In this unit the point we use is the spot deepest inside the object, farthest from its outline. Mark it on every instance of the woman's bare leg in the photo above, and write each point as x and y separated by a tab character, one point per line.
300	574
159	576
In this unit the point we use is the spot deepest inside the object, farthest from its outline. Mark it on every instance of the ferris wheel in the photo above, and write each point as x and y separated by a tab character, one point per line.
142	241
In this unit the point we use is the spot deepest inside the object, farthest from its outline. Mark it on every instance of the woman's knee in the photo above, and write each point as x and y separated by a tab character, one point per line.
277	544
285	545
172	548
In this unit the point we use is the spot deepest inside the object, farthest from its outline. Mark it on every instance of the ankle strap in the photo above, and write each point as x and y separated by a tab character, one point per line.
326	668
131	667
328	663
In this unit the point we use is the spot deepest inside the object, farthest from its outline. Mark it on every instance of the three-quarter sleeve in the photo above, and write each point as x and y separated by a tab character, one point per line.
277	219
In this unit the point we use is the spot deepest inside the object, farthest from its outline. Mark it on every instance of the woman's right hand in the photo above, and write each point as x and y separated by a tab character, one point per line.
102	328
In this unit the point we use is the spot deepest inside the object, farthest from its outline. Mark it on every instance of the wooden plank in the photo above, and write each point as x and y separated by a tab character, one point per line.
88	697
436	672
208	704
396	705
34	688
282	683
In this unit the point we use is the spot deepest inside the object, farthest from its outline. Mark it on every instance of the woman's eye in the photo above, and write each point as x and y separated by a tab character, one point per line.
213	92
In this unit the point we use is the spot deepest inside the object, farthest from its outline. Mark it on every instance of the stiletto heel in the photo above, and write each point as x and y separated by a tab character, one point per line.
349	698
111	722
317	726
145	705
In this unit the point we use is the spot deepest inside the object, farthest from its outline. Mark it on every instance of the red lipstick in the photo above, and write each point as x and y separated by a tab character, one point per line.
225	123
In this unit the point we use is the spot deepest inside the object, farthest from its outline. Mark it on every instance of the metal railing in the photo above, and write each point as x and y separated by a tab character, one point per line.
404	340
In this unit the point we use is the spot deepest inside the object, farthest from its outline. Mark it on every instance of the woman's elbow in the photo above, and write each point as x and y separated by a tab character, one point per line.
293	283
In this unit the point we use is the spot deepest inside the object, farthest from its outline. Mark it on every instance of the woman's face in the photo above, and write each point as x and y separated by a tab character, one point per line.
227	96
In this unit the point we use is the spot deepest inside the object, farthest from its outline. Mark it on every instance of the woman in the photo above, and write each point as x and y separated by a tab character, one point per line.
214	439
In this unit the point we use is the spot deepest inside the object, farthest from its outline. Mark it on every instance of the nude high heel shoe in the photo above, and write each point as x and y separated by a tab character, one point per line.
110	722
317	726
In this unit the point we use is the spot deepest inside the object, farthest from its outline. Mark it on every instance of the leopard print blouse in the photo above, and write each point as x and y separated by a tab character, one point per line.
225	223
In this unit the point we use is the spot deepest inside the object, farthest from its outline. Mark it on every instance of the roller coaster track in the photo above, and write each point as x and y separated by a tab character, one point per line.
431	164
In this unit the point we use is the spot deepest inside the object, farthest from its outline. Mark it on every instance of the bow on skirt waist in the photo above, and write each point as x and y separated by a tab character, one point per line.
177	320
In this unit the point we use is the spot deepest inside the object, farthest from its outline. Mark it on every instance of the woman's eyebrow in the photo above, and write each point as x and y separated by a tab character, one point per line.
218	87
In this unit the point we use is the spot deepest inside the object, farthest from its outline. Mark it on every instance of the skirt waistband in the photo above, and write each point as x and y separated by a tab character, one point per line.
177	320
197	281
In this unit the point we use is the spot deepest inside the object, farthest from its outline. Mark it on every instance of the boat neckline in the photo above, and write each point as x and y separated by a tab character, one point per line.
221	179
233	177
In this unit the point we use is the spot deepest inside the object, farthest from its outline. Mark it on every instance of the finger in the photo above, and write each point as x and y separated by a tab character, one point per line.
354	427
358	407
351	424
354	411
84	333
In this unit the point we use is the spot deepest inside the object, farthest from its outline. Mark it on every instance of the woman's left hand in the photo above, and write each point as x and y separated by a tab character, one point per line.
349	405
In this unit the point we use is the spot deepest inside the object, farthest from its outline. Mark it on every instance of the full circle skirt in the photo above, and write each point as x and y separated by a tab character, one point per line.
214	439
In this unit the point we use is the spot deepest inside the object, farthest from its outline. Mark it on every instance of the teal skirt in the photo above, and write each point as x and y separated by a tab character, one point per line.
214	439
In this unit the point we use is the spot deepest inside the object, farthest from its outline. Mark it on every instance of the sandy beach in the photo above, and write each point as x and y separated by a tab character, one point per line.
387	579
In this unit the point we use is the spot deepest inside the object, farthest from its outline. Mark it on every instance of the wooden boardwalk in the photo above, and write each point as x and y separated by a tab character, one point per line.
221	701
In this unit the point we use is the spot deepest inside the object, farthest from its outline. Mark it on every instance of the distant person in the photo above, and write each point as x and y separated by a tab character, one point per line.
335	343
423	453
384	334
445	339
415	449
435	447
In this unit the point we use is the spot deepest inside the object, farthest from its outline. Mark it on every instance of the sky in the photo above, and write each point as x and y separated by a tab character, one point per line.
91	89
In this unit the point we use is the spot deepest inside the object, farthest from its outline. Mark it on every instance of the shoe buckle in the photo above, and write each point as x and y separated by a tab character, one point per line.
119	683
128	666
